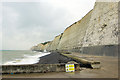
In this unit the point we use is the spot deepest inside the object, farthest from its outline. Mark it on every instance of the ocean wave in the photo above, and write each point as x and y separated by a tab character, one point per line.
27	59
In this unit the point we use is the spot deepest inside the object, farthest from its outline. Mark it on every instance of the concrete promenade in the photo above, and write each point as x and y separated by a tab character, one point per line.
109	69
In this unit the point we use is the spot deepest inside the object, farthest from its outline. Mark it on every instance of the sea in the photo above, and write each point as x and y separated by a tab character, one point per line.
21	57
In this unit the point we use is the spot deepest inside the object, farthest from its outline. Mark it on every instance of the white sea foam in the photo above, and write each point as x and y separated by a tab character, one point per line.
27	59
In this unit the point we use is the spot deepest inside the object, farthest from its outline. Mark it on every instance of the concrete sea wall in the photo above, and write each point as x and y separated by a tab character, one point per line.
37	68
96	33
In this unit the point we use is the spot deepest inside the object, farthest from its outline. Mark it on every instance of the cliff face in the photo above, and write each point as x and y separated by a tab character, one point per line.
73	36
101	36
96	33
41	46
103	25
38	47
54	44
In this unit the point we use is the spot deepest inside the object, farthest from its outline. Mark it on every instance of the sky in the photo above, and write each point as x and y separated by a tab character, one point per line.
25	24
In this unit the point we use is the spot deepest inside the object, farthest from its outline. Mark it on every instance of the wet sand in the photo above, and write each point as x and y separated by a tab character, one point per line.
109	69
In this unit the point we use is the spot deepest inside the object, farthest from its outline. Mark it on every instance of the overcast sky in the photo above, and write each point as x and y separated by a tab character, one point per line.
25	24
